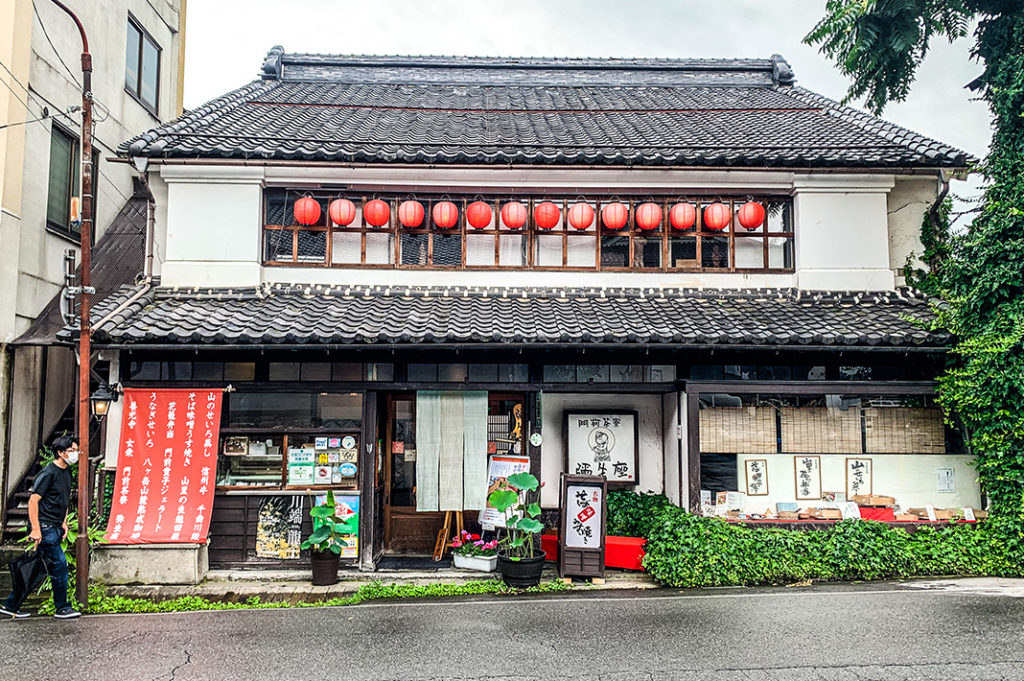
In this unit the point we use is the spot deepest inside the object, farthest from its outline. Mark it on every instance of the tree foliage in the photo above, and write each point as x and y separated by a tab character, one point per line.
879	44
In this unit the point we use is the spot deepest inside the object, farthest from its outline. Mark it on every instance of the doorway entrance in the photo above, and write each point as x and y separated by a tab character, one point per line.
406	530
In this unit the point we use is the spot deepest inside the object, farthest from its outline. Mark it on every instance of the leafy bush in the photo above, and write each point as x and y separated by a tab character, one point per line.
685	550
631	514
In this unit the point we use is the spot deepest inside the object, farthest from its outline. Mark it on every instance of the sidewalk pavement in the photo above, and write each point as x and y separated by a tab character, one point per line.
294	586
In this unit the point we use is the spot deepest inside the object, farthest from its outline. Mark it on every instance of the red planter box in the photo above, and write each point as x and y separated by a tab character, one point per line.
626	553
882	513
549	543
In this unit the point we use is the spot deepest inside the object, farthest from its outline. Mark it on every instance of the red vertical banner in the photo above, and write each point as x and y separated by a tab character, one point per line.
166	468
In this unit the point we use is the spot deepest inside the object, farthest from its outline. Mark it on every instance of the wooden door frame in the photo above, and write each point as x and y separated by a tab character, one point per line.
389	415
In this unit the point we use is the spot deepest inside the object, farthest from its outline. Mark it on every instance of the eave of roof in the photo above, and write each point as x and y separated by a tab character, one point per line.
589	112
367	316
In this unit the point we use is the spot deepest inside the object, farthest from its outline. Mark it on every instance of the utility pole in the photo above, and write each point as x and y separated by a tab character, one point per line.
85	332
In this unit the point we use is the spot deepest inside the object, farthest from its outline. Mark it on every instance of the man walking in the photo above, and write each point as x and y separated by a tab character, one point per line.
48	517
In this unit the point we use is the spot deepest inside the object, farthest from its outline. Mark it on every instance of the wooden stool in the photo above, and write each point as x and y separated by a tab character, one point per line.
446	531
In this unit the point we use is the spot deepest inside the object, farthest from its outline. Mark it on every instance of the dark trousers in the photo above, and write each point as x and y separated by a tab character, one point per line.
56	567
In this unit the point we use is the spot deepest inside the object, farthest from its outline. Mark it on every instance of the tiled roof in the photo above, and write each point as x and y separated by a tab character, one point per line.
318	315
647	112
118	259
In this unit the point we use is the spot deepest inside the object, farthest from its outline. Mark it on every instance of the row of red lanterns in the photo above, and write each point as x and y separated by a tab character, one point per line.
546	215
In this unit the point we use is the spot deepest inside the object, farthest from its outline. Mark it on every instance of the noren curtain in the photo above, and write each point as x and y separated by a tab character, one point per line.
451	442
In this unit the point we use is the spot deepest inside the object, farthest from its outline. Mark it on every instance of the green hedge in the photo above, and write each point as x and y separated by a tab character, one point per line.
631	514
685	550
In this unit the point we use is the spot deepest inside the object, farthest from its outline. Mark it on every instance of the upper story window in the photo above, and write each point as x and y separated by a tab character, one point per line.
64	168
539	233
142	66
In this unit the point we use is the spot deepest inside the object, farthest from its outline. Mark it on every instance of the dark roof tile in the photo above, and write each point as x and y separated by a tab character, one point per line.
654	112
281	314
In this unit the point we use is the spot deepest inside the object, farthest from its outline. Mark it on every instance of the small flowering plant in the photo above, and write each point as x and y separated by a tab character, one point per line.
466	544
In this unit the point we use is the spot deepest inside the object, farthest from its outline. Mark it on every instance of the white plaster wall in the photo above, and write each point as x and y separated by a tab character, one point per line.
841	226
112	422
554	406
910	478
213	229
907	205
213	225
672	431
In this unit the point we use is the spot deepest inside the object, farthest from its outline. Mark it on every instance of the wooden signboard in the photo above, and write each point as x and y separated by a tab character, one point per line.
581	533
603	443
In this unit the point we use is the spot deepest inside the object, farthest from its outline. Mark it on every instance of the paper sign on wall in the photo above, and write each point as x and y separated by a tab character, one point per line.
163	492
944	480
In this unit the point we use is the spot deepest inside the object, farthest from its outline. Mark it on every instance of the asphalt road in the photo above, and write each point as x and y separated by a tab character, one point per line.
951	631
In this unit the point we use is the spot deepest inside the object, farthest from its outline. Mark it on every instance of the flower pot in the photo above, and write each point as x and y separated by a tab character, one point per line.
481	563
522	572
325	567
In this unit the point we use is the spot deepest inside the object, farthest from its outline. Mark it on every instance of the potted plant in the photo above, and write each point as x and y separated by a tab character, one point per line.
471	552
327	541
519	561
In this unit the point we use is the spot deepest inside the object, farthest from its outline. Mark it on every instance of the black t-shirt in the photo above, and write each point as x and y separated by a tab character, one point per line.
53	484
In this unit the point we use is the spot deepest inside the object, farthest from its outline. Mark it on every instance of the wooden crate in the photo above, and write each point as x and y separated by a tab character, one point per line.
820	430
904	430
741	430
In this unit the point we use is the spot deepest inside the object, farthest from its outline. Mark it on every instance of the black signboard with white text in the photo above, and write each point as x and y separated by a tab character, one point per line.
581	531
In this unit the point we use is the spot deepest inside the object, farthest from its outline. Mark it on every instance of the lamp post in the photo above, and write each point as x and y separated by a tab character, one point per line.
85	332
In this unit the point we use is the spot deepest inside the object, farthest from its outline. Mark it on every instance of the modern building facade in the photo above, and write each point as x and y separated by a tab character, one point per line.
137	51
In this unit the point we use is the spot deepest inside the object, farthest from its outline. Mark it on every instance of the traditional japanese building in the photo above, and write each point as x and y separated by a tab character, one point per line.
684	275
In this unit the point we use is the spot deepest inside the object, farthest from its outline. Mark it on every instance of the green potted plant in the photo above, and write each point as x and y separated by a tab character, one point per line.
470	552
327	540
519	560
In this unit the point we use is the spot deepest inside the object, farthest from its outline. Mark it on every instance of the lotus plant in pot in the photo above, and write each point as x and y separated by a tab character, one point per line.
470	552
327	540
520	561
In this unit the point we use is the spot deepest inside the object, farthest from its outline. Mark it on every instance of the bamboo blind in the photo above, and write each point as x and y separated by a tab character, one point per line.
904	430
820	430
748	430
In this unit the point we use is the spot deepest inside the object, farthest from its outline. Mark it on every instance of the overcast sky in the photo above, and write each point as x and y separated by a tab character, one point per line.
226	41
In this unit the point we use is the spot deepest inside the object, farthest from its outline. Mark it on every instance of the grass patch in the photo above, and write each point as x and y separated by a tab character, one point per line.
100	602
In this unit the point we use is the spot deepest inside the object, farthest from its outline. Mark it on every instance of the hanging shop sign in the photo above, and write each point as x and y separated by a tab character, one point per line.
346	508
582	528
498	469
602	443
279	528
163	491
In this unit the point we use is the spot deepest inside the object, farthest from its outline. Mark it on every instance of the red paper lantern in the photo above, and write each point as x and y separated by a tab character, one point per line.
615	215
546	215
751	215
307	211
513	214
342	212
478	215
410	214
581	215
648	216
445	214
716	217
682	216
377	212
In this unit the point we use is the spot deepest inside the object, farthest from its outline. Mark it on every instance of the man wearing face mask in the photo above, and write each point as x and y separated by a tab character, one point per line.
48	516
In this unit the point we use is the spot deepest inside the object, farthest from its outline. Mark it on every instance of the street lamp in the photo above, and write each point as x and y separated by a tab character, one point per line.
101	399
